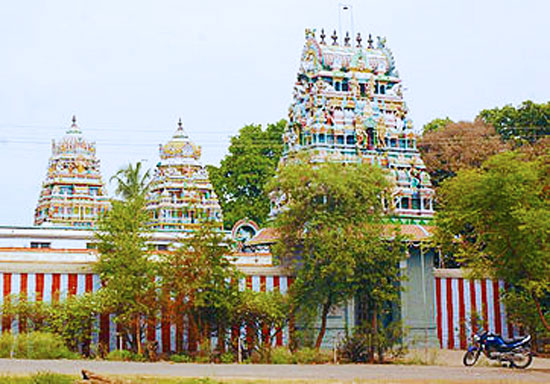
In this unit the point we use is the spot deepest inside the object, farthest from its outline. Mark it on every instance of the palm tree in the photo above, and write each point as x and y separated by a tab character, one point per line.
132	183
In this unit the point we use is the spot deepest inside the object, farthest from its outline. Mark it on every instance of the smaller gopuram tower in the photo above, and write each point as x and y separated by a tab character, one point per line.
181	196
73	194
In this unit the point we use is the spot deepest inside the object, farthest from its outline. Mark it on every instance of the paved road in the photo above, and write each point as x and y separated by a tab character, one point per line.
312	372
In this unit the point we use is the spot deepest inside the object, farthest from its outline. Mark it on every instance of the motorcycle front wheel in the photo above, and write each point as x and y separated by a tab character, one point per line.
470	358
522	360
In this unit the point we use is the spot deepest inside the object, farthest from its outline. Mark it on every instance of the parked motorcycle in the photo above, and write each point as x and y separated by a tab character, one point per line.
516	352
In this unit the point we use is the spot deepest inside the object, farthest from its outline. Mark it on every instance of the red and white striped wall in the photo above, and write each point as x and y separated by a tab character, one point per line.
465	306
49	287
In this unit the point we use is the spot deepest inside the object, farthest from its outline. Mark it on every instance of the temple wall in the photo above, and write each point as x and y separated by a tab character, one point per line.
463	305
50	282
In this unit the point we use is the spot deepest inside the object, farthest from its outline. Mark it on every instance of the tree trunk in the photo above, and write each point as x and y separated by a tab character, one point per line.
539	311
322	331
138	336
373	332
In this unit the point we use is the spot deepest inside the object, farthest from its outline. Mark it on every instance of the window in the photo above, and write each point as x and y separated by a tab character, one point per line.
337	86
340	139
91	245
363	90
330	139
415	203
350	140
393	143
35	244
161	247
321	138
405	203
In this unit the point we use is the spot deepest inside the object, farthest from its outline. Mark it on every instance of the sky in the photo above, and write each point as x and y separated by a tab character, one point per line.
130	69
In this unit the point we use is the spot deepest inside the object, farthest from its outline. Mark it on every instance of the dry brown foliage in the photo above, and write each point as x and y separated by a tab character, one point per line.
456	146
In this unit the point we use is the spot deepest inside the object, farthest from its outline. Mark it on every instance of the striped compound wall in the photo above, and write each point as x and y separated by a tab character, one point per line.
57	286
464	306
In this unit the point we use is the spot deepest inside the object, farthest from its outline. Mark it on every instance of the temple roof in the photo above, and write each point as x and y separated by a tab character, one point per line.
180	149
413	232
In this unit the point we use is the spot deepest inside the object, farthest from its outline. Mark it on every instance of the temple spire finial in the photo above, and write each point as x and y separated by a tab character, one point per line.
74	119
358	39
322	36
370	41
334	38
180	124
347	39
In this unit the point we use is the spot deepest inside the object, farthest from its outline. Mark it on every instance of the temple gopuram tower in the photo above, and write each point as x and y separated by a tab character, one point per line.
181	196
73	194
348	107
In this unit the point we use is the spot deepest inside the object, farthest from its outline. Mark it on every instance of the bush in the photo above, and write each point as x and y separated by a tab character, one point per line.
281	355
305	356
227	358
183	358
34	345
124	355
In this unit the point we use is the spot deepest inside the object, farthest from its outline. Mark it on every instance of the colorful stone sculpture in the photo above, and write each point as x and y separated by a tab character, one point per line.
348	107
181	196
73	194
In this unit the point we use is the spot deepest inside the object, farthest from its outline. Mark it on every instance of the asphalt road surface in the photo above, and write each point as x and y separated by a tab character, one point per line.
539	373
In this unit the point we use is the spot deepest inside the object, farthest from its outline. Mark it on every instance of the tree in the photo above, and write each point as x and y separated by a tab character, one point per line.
525	123
455	146
436	124
264	314
199	280
496	220
132	183
240	179
125	265
331	224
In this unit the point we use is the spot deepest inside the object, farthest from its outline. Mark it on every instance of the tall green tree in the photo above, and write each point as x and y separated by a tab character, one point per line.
331	225
125	265
496	221
527	122
240	179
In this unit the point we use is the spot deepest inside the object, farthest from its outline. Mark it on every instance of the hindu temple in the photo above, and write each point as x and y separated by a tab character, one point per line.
348	106
181	196
73	194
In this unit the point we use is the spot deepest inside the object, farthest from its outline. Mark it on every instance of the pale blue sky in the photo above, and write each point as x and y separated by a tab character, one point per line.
130	69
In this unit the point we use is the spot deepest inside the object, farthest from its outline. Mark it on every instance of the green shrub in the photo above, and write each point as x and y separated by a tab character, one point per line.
305	356
124	355
281	355
202	359
324	356
6	345
227	358
34	345
181	358
42	345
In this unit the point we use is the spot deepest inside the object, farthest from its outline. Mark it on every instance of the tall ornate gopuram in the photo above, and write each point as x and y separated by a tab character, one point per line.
182	196
73	194
348	107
